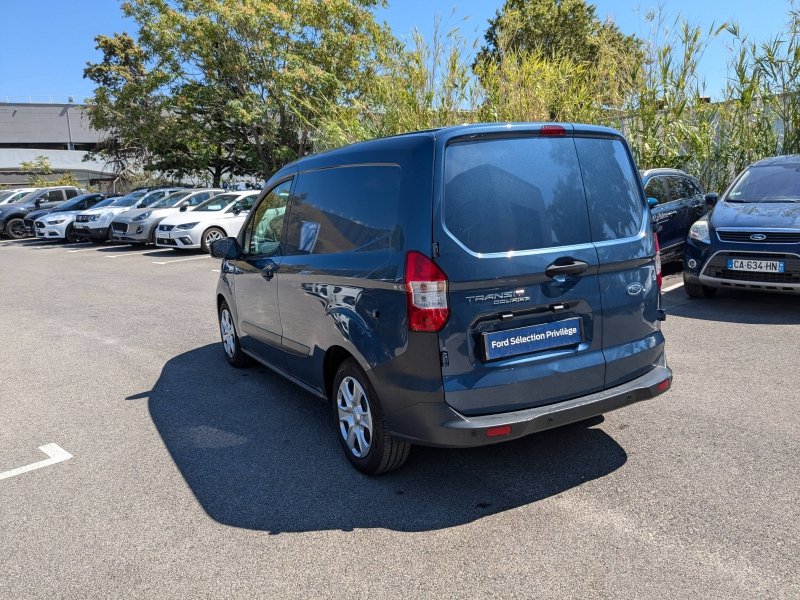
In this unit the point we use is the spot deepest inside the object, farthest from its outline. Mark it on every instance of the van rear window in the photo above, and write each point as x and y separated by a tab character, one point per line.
613	189
514	194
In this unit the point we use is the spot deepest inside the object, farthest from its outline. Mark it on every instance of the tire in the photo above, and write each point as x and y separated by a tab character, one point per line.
698	290
230	339
15	229
356	408
211	235
70	236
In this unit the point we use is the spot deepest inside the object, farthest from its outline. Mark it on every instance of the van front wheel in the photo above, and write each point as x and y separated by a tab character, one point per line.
362	429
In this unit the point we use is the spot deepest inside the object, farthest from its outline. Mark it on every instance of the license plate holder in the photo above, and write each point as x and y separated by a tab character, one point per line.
163	236
756	265
533	338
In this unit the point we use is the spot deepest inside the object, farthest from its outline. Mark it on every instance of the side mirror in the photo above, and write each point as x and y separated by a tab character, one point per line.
227	248
184	207
711	200
236	210
38	204
652	202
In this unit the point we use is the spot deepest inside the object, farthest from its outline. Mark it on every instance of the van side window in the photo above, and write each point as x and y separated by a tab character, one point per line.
616	206
657	188
343	209
71	193
513	194
264	232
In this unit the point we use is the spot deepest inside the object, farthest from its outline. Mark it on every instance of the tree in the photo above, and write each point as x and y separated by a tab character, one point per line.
255	73
39	168
556	28
126	103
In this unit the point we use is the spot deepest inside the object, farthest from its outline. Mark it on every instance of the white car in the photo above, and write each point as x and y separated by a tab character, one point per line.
95	224
58	223
11	196
220	217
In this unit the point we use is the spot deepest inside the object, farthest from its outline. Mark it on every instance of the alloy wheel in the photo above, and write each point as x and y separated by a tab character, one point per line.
212	236
16	229
228	333
355	417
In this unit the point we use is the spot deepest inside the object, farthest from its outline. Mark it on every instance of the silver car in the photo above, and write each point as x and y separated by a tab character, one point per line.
139	226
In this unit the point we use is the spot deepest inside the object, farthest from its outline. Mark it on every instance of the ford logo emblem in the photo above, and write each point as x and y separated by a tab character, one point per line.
635	288
758	237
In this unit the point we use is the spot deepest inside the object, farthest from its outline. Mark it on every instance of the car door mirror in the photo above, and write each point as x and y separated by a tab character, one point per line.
237	210
184	208
37	204
711	200
652	202
227	248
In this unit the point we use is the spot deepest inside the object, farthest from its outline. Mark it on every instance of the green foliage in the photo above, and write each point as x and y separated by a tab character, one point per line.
39	169
553	28
247	76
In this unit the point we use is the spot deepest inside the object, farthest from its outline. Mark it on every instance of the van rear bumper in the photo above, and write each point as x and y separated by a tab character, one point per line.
436	424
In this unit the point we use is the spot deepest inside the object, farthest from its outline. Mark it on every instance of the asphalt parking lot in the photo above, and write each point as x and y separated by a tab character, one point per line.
189	478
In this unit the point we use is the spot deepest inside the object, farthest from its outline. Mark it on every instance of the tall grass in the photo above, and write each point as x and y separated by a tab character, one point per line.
656	96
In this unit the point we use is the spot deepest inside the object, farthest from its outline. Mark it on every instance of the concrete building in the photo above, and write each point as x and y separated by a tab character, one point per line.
58	131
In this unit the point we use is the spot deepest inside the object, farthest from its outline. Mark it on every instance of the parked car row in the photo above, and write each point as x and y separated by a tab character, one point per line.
171	217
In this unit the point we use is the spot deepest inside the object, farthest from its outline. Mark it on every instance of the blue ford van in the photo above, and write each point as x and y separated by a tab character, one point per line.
452	288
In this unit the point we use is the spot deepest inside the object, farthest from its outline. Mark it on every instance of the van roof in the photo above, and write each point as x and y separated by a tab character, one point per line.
395	141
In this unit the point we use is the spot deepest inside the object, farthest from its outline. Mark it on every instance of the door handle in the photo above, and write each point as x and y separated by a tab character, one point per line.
566	266
672	213
268	272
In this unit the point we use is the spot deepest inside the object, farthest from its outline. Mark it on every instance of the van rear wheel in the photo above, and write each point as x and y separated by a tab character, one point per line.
363	430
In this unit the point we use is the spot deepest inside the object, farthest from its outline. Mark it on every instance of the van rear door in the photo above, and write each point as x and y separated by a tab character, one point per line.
512	229
623	236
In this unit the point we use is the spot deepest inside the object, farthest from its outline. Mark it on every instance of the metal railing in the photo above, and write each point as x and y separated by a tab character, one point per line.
42	99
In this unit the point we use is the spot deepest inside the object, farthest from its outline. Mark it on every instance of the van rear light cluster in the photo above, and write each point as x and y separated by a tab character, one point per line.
426	290
658	263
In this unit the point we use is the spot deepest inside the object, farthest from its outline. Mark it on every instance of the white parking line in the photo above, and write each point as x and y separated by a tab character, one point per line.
128	254
672	287
56	453
83	250
179	260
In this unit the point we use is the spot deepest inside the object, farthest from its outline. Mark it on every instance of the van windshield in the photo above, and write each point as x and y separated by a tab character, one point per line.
514	194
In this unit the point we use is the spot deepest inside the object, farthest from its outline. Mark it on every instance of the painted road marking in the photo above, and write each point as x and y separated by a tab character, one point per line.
180	260
56	453
128	254
83	250
672	287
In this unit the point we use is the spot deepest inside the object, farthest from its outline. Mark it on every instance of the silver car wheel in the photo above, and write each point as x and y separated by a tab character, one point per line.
228	333
212	236
355	417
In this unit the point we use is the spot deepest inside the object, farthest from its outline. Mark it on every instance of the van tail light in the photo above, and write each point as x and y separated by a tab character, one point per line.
658	263
426	289
552	130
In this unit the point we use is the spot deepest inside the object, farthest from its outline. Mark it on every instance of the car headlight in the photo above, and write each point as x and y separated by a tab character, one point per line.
94	217
187	225
56	222
143	216
699	231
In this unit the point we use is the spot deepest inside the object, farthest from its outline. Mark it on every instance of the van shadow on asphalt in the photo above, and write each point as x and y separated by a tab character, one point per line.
260	453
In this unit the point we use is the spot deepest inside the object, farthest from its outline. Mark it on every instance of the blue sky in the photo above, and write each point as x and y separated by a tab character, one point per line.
45	44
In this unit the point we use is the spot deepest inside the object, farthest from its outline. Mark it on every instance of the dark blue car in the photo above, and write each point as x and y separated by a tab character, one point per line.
681	201
751	238
452	288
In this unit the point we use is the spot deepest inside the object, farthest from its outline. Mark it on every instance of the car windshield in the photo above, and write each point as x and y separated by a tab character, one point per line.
130	199
768	183
106	202
171	200
69	204
217	203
